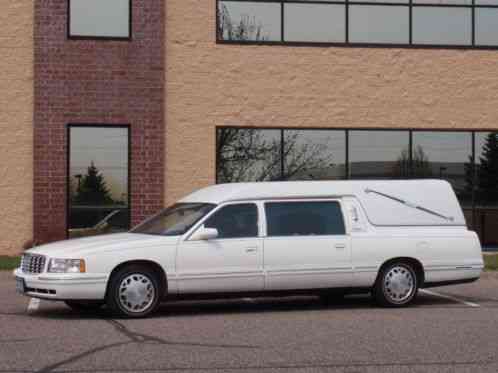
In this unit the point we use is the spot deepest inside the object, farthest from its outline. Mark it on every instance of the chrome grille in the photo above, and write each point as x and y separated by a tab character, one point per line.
32	263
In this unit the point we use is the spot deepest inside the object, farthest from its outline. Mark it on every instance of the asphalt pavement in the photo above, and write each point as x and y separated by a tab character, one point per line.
448	329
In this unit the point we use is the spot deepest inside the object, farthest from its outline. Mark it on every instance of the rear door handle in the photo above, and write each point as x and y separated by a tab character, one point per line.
340	246
251	249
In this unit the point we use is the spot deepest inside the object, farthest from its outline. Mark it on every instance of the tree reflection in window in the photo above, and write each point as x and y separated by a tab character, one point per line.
487	170
92	188
248	155
419	167
248	21
255	155
314	155
98	200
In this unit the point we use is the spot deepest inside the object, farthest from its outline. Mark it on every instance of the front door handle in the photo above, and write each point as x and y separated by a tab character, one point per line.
251	249
340	246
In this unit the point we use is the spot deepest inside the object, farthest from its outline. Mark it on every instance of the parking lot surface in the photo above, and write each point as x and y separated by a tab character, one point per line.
450	329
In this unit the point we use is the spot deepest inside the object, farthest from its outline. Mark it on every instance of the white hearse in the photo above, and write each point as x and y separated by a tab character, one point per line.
389	238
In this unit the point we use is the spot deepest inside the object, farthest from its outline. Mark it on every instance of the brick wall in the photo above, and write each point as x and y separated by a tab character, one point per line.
97	82
16	130
209	85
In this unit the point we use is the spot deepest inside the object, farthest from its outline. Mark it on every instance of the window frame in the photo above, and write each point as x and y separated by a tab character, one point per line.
305	200
100	38
187	236
347	43
68	166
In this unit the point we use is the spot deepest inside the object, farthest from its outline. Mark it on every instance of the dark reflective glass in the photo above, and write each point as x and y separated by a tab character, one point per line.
254	155
486	22
97	18
448	156
235	221
379	154
314	155
433	22
98	181
248	155
486	187
304	219
315	22
249	21
379	24
442	25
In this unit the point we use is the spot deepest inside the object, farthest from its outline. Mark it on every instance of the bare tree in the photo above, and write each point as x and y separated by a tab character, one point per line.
247	29
302	159
249	155
421	163
420	166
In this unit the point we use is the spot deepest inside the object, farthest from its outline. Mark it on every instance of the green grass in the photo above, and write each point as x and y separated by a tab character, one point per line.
9	262
491	262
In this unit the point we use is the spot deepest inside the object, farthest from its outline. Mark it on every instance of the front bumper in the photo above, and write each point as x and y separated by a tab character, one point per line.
61	286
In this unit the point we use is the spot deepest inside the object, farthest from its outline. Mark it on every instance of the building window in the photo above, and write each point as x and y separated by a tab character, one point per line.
98	180
448	156
486	187
99	19
314	155
379	154
443	23
468	160
379	24
249	21
248	155
329	23
251	154
486	32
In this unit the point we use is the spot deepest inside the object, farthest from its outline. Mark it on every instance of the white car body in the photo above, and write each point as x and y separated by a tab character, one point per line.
423	222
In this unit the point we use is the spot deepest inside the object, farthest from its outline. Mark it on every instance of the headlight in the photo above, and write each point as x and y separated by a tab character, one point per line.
66	266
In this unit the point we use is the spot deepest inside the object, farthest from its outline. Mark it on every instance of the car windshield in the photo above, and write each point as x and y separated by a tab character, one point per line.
175	220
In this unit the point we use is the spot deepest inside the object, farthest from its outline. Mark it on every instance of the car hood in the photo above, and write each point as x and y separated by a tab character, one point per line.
80	247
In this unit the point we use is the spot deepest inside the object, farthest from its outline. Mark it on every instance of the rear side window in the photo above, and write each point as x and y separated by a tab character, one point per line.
235	221
304	218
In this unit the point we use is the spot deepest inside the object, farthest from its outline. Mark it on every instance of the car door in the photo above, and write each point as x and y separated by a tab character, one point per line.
306	245
233	261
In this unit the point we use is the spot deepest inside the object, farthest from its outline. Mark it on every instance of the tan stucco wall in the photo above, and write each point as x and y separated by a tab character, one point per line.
16	124
211	85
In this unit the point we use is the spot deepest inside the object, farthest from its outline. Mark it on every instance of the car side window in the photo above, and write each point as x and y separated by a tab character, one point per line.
312	218
235	221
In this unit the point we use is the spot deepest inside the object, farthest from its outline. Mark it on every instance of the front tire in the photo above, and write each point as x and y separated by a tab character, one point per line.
134	292
396	285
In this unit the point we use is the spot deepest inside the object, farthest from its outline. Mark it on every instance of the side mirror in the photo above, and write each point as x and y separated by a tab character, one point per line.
204	234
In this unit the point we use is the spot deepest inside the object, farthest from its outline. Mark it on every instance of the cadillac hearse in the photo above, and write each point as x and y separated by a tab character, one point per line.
386	238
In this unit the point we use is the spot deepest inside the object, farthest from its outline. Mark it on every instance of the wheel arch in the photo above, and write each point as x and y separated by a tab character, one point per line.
415	263
156	267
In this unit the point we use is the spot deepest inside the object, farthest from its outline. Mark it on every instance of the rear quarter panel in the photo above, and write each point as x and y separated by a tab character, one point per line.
445	253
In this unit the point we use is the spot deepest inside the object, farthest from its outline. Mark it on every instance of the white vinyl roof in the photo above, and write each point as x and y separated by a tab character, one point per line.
386	202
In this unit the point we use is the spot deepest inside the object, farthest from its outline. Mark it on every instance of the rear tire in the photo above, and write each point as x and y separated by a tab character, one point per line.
396	285
84	306
134	292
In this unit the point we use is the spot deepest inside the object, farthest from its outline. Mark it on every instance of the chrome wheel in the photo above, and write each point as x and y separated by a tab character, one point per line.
136	293
399	284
